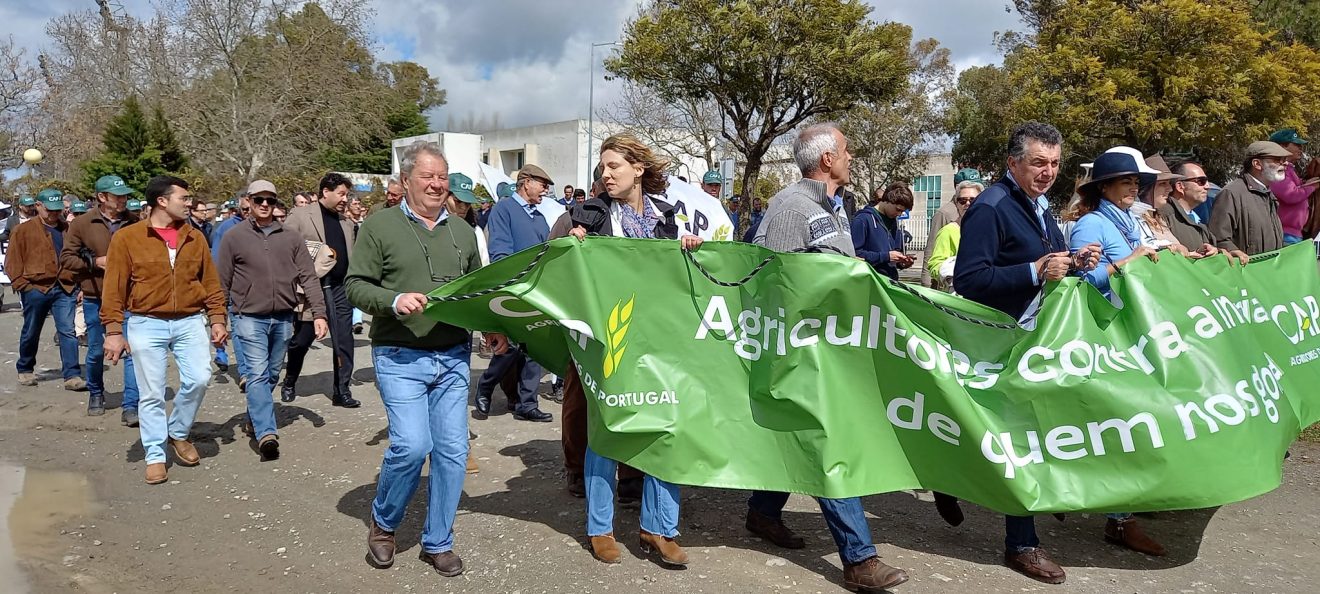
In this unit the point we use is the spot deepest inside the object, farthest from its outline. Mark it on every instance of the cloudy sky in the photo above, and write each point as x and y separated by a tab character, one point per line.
526	61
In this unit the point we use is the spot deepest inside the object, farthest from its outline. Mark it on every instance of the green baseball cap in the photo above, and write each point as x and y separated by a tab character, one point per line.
51	198
1287	135
712	177
967	174
134	204
461	187
27	201
113	184
79	207
504	190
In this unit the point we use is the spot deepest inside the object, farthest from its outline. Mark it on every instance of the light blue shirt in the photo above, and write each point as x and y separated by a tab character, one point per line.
528	207
1095	227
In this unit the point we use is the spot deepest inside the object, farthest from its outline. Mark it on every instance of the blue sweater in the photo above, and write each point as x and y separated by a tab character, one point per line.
873	240
218	234
512	230
1001	240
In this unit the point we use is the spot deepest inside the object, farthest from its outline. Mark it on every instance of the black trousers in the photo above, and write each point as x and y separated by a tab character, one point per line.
339	314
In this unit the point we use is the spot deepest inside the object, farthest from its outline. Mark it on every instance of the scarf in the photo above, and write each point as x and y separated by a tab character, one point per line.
639	226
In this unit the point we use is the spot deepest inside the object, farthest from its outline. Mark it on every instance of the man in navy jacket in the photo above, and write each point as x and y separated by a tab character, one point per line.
514	225
1010	247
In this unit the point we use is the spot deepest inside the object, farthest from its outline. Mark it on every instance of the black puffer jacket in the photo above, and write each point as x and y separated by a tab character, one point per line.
594	216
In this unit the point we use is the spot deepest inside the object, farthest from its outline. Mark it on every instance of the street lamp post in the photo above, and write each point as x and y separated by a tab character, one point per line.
591	104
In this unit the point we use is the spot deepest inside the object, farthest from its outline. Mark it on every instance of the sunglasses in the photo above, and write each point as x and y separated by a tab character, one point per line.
964	201
1200	181
264	200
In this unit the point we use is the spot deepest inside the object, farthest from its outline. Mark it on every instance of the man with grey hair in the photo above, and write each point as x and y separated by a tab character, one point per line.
1010	247
802	217
422	365
393	196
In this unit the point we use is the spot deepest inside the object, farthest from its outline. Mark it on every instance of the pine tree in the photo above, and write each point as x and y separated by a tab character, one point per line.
162	136
127	133
130	151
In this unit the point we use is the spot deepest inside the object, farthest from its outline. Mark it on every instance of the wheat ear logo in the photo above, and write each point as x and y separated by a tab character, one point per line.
616	337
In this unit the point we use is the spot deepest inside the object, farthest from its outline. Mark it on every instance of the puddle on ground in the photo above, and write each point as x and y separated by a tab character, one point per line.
34	504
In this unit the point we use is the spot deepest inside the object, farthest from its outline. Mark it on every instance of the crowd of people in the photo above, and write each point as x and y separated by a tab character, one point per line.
165	277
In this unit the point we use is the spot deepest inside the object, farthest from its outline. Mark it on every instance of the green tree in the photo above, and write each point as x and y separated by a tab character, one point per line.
1157	75
893	140
770	65
128	152
161	135
412	91
1293	20
977	117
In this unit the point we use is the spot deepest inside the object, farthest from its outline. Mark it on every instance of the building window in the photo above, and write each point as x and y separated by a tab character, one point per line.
931	185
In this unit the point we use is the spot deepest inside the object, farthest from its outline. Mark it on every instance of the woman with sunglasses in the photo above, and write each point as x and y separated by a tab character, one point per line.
631	206
944	255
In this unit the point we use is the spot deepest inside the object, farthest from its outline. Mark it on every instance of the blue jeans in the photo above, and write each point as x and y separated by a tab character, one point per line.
94	367
659	499
425	393
1020	533
1291	239
264	340
844	517
222	357
151	340
57	304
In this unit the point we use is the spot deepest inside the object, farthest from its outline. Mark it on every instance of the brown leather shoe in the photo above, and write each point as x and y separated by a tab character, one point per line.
872	575
670	552
156	473
1036	564
448	563
184	451
1128	533
472	467
773	530
605	548
380	546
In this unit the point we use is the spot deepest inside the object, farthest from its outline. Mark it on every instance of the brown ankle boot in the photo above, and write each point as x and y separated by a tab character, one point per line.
670	552
1128	533
472	467
605	548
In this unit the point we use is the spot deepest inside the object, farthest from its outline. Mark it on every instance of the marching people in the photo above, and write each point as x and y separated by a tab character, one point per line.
46	289
1156	184
876	236
632	206
460	204
712	182
422	365
515	225
238	209
393	196
85	254
802	216
261	262
199	219
160	271
1246	213
25	209
568	196
303	199
944	253
1293	193
1010	247
323	221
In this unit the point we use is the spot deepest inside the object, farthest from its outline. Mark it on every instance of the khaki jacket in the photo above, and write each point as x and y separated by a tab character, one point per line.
90	231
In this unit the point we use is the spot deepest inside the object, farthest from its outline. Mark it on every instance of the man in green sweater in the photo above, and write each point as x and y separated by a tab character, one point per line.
422	366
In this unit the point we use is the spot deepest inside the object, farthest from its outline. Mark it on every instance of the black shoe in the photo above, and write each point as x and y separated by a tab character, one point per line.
357	328
556	395
536	415
630	491
129	417
344	400
95	405
947	506
287	392
242	385
223	367
577	485
482	410
269	446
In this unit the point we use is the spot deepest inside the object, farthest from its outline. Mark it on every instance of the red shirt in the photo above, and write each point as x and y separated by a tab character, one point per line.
170	235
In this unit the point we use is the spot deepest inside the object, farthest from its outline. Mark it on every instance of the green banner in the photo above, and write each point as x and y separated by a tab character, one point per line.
818	376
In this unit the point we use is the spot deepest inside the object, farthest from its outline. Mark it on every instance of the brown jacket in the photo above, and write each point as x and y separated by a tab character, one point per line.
31	261
140	279
90	231
1246	217
260	271
306	220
